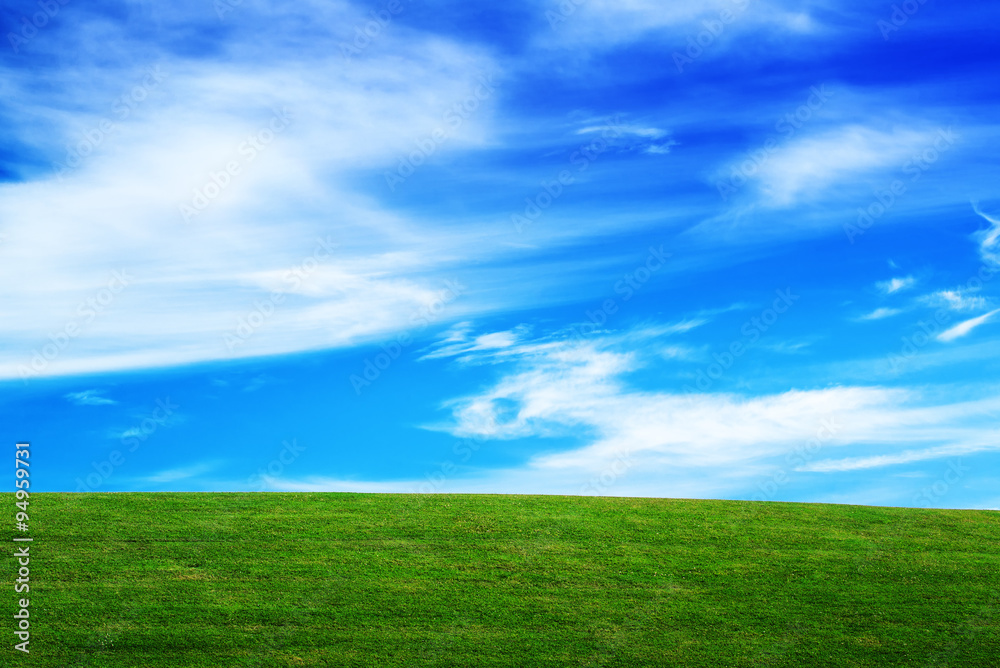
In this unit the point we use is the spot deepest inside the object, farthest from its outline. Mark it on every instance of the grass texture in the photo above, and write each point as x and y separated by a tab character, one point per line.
269	579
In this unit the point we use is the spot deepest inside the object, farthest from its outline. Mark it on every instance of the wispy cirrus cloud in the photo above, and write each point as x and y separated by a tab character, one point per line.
881	313
638	131
894	285
459	342
90	398
808	165
989	239
956	300
904	457
965	327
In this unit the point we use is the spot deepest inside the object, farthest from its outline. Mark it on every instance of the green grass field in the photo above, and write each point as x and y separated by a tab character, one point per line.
151	580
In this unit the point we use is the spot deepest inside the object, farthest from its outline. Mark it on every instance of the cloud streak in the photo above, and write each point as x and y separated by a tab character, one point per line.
989	239
965	327
881	313
89	398
895	285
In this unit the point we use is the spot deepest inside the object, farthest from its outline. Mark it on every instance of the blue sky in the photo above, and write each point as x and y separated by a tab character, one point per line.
710	250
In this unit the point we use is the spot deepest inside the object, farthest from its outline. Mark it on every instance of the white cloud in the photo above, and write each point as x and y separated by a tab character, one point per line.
963	328
680	352
896	284
89	398
810	164
458	342
904	457
660	149
957	300
624	136
574	387
880	313
989	239
513	344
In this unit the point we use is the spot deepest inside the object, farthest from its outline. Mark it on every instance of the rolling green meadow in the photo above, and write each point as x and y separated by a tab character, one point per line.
273	579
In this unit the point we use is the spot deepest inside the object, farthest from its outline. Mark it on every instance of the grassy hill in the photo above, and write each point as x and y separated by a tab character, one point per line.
220	580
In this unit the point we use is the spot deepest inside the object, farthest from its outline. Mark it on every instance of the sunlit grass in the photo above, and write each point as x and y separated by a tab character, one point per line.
150	580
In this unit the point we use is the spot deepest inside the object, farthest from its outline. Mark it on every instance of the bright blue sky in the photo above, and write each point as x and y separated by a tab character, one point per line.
248	247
